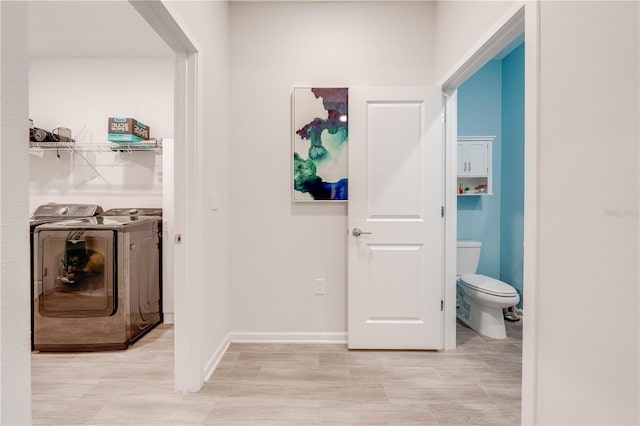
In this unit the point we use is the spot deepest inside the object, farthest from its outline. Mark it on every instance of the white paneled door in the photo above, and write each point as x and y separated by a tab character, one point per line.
396	228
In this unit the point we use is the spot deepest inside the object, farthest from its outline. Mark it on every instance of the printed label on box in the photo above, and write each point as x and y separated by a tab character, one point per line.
123	129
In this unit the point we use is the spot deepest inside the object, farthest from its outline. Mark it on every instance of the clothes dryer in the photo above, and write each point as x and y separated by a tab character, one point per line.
96	283
145	212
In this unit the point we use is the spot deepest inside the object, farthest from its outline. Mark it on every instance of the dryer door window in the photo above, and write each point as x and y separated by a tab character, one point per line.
75	275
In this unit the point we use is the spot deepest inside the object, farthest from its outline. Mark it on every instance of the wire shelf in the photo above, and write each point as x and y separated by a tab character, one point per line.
52	145
150	145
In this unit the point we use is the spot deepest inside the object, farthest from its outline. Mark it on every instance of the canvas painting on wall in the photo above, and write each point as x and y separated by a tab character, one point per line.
320	136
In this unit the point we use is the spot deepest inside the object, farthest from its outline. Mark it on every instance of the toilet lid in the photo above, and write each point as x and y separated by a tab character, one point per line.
488	285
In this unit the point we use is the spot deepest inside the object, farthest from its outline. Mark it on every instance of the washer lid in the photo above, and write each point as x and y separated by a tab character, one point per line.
488	285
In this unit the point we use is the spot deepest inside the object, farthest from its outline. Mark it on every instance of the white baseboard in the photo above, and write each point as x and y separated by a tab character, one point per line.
213	362
288	337
268	337
167	318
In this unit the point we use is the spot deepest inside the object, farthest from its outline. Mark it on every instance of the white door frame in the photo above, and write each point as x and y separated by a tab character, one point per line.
188	141
520	18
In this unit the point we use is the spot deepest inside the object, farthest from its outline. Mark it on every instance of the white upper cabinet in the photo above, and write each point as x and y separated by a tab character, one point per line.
474	165
472	158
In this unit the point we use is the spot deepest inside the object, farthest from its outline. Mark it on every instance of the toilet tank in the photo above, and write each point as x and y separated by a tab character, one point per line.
468	256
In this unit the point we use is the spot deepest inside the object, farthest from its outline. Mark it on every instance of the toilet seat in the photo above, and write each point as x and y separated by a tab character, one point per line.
488	285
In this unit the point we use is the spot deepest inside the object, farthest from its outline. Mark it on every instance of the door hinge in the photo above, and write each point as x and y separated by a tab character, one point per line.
442	305
442	211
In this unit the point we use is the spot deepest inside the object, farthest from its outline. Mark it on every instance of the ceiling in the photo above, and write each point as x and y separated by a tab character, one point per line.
91	28
85	28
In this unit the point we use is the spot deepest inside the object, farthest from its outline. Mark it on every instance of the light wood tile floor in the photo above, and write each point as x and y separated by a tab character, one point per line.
286	384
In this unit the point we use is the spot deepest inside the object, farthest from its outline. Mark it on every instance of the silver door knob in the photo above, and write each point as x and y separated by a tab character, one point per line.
357	232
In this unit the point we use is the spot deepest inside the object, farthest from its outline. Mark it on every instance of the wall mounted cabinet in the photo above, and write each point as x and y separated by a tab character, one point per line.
474	165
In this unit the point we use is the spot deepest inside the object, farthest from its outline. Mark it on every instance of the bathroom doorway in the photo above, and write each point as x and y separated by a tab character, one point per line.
491	104
496	40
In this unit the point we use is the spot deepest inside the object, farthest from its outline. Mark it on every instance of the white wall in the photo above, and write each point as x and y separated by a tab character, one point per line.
278	248
81	93
460	26
585	367
588	291
15	360
206	24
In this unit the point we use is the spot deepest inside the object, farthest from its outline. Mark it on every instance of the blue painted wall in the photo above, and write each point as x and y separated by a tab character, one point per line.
491	103
479	114
512	201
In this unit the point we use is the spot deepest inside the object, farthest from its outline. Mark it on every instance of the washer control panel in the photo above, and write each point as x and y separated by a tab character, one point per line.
67	210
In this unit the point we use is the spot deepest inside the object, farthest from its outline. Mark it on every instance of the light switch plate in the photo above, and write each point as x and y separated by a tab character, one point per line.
214	200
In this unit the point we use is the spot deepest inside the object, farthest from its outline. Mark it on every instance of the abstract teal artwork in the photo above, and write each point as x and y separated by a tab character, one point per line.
320	139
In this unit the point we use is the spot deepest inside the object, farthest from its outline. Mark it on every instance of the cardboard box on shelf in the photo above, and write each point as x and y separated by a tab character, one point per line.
127	130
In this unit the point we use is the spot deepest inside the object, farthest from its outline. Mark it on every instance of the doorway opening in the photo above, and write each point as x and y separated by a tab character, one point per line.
177	200
504	34
491	175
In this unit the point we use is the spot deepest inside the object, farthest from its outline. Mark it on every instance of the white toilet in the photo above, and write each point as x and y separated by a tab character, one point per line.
481	298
